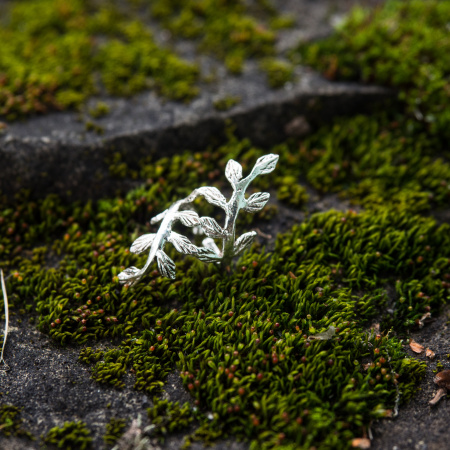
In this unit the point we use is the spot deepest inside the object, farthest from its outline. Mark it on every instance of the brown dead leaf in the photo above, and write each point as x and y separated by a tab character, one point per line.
361	443
430	354
416	347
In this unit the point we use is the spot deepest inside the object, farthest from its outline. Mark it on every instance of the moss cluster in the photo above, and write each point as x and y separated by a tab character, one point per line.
11	422
169	417
374	161
279	72
53	52
57	53
241	340
404	45
228	29
114	430
71	436
226	103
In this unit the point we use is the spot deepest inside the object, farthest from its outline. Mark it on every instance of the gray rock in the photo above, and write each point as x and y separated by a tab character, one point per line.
56	153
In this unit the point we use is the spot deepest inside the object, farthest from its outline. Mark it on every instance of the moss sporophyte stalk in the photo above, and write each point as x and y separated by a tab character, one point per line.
155	243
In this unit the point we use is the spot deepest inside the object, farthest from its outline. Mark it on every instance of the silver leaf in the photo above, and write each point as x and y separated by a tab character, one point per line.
256	202
207	255
233	171
213	195
188	218
212	228
165	265
130	276
211	245
142	243
244	242
182	244
265	164
158	218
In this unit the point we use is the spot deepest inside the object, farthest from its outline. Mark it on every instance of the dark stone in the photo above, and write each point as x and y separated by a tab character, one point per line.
53	153
56	153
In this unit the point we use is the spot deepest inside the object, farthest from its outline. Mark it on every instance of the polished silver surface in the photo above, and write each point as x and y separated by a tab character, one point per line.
155	243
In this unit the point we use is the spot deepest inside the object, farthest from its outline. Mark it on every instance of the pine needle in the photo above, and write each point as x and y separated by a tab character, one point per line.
3	365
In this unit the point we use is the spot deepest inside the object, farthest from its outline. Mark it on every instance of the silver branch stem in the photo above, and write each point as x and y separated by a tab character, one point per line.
231	246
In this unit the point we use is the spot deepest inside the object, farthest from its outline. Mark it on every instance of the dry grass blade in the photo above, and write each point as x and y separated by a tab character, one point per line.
3	365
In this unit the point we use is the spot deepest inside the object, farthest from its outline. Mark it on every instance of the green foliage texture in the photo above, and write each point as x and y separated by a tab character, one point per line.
241	341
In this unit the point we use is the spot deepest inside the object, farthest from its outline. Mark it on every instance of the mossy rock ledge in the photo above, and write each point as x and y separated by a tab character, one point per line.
304	341
65	151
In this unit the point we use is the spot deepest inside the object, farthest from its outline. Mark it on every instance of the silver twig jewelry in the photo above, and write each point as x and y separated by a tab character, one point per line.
210	252
3	365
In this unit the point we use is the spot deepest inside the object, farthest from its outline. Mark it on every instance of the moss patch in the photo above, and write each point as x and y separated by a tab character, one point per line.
57	53
226	103
404	45
169	417
228	29
53	51
71	436
249	344
114	430
11	422
279	72
241	340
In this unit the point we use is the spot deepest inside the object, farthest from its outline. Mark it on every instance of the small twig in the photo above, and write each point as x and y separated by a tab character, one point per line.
442	392
3	365
262	234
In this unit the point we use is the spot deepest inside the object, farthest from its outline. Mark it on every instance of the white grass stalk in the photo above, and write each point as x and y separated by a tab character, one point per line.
3	365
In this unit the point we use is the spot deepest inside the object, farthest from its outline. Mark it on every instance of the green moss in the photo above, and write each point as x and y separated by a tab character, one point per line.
403	45
377	162
240	340
71	436
226	103
53	51
55	54
114	430
11	422
92	126
228	29
291	192
279	72
101	109
168	417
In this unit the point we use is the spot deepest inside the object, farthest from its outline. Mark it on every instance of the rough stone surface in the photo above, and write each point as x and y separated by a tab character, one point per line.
420	426
56	153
